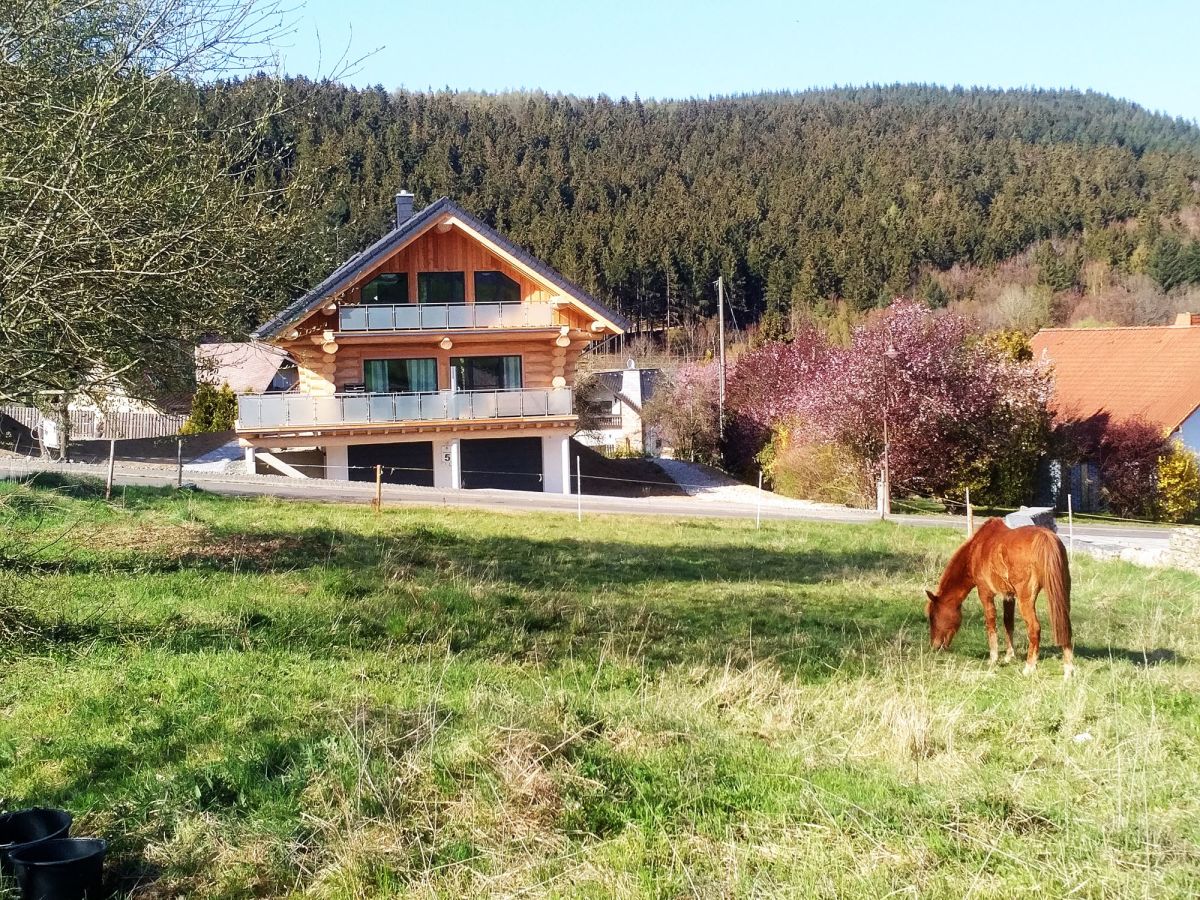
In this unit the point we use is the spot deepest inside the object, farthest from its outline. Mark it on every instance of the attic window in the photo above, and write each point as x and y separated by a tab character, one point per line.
496	287
391	288
441	287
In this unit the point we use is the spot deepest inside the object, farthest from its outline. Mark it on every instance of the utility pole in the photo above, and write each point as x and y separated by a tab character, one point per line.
885	507
721	352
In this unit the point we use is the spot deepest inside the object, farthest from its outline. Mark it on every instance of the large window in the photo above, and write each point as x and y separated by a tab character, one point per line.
496	287
441	287
391	288
400	376
486	373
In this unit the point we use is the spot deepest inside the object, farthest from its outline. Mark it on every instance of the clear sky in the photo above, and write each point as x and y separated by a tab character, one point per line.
1148	52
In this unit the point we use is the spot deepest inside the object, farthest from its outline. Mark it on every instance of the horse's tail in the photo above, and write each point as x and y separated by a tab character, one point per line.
1056	579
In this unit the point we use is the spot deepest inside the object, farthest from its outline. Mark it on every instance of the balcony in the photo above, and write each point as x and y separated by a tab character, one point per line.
369	319
270	411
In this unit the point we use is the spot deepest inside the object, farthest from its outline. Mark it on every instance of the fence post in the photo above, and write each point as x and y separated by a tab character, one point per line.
1071	526
758	508
970	515
378	489
112	461
179	462
578	489
879	504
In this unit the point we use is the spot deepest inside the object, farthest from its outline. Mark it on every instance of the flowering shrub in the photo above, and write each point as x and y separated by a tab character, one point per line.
959	413
685	410
1178	491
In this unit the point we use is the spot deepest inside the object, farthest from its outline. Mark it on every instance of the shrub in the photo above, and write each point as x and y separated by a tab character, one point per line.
1128	454
962	412
213	409
686	412
825	472
1178	492
959	413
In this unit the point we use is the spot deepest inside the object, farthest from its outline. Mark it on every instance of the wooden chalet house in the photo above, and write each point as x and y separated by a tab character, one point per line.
443	353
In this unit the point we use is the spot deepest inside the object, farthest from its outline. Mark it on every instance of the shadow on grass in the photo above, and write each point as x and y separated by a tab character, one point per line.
520	597
1142	658
500	596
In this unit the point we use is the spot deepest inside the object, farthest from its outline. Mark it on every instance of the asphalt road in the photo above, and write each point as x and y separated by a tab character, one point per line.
1138	537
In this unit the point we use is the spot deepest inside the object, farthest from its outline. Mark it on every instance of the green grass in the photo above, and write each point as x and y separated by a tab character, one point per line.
257	698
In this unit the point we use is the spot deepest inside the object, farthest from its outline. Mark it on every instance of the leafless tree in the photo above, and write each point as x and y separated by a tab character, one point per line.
131	220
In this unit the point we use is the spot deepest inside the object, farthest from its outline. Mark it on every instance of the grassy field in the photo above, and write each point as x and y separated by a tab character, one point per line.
257	698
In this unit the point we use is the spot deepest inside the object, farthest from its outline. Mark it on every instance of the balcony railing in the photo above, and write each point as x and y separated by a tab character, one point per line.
442	316
305	410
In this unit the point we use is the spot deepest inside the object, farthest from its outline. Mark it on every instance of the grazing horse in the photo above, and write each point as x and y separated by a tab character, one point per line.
1015	563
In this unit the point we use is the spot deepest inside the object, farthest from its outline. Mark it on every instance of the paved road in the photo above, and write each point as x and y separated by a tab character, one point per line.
1115	536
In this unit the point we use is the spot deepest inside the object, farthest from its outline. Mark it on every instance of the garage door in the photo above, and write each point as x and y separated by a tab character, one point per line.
513	464
406	463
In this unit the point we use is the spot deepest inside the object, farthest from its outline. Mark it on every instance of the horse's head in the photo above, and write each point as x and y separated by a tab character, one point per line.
944	618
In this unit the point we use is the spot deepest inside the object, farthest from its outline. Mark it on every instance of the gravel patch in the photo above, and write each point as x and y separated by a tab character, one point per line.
706	483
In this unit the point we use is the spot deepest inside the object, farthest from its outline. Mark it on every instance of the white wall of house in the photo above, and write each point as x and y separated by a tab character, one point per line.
337	462
556	464
1189	432
632	433
447	460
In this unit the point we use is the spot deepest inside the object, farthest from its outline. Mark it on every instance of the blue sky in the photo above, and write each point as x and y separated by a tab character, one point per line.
1148	52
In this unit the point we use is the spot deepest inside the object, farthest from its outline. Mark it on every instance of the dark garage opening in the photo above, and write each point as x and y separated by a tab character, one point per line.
513	464
403	463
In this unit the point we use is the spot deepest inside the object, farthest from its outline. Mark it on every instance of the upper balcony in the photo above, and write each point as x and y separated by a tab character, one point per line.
267	412
380	318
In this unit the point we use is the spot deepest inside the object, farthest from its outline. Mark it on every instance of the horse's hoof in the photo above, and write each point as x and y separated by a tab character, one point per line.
1009	657
1029	669
1068	670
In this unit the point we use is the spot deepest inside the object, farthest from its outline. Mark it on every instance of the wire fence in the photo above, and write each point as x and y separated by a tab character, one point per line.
583	483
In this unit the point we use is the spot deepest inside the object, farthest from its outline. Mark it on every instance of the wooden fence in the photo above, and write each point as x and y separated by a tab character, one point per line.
89	424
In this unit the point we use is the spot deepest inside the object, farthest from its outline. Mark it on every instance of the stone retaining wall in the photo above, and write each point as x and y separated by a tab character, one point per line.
1184	549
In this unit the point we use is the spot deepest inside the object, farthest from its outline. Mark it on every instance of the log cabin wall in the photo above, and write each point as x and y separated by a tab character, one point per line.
541	360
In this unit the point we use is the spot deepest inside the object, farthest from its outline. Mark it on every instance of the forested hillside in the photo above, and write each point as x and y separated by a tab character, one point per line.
852	194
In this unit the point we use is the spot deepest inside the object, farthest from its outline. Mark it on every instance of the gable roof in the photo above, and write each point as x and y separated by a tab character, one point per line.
247	368
1151	372
361	263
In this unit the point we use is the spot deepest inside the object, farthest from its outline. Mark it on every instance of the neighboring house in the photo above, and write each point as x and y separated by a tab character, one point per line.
614	404
248	368
106	410
443	354
1111	374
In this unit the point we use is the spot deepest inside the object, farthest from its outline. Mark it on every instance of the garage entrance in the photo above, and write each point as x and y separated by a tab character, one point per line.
410	462
513	464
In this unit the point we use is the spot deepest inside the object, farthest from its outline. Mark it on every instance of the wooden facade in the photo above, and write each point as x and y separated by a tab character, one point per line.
452	250
328	360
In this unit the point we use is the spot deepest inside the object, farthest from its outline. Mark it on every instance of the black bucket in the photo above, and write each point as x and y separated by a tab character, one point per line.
60	869
28	827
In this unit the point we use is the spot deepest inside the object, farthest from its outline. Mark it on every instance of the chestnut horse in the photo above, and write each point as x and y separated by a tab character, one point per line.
1015	563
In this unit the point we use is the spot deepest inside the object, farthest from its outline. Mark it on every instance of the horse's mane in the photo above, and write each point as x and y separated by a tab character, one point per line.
958	569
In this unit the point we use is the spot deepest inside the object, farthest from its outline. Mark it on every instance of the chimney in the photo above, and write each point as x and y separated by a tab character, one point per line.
404	207
1184	320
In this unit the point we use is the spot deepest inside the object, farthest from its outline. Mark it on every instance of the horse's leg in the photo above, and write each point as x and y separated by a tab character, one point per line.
988	599
1025	599
1010	612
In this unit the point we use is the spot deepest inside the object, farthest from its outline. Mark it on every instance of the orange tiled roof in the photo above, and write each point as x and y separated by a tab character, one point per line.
1152	372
